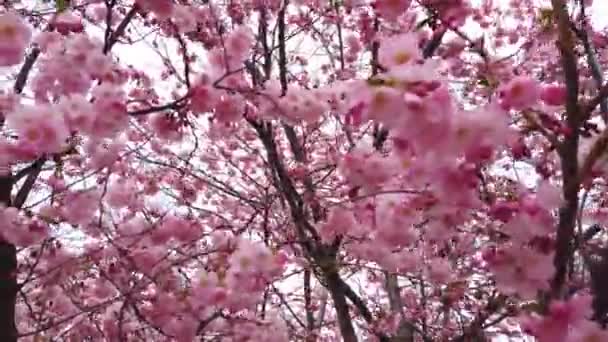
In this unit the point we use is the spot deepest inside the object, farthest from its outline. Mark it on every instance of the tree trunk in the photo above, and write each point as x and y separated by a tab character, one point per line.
405	332
339	298
8	272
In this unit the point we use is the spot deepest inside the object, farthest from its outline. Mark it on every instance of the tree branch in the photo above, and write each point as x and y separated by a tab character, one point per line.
599	98
568	151
24	73
592	62
120	29
27	186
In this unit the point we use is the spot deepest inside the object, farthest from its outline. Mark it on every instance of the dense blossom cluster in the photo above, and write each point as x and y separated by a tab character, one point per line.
302	171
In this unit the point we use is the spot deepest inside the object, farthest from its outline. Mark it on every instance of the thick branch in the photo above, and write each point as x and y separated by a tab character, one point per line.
592	62
405	332
120	29
27	186
24	73
337	295
568	150
174	105
310	318
599	98
597	151
475	328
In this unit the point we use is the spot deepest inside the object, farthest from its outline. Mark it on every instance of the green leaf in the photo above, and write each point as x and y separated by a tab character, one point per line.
61	5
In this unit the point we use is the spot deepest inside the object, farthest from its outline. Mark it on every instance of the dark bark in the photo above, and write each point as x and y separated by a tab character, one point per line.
598	272
405	331
310	319
597	266
8	271
337	295
568	151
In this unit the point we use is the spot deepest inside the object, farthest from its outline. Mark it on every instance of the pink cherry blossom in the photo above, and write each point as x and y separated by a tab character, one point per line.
67	22
15	36
391	9
111	115
266	170
161	8
78	112
184	18
521	92
204	97
238	45
399	50
41	128
121	193
81	206
166	127
340	222
553	94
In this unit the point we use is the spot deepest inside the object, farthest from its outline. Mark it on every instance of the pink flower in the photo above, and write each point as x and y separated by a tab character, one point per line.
229	109
353	43
97	12
165	126
67	22
146	259
302	105
39	127
48	40
480	132
340	221
15	36
440	271
565	321
553	94
545	330
238	45
399	50
184	18
382	104
394	222
549	196
391	9
111	114
181	229
503	211
161	8
520	270
103	154
252	260
102	289
80	207
133	226
363	167
183	328
121	193
418	78
78	113
587	331
520	93
204	97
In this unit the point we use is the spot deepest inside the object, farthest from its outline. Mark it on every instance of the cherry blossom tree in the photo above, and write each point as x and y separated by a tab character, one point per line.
304	170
